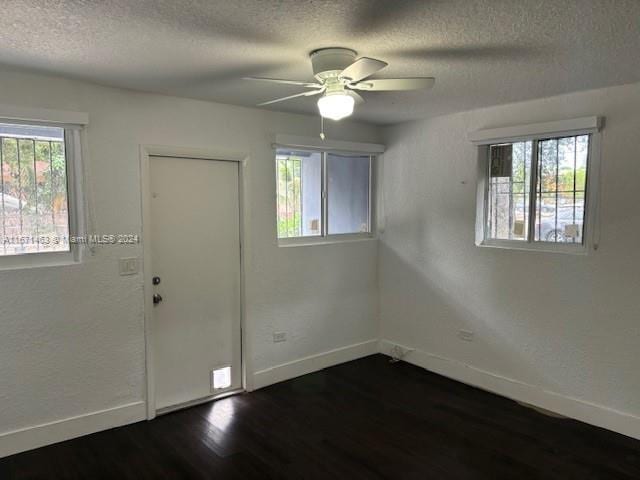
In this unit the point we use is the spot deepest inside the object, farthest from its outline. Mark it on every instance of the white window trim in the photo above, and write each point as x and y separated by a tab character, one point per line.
47	116
74	124
558	128
579	126
338	147
326	240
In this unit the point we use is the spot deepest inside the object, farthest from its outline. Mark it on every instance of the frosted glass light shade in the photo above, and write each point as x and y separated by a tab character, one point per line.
336	106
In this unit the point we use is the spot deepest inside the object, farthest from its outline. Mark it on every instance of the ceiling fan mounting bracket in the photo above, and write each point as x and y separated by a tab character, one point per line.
334	85
329	62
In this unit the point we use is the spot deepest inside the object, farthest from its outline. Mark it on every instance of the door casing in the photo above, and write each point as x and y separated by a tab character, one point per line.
147	151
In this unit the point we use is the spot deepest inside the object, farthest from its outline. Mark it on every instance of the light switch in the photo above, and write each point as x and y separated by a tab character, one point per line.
128	266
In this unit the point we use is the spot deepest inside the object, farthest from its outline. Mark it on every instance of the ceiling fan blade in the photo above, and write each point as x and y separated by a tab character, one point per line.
362	68
284	82
303	94
356	96
390	84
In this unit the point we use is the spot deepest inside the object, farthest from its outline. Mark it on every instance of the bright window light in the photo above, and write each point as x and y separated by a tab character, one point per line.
336	106
34	206
536	191
303	176
221	378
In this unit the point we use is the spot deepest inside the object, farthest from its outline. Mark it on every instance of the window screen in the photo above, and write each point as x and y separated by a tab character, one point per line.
348	193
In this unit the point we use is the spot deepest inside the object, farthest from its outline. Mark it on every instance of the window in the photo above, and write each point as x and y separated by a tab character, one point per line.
320	194
348	193
34	204
42	210
535	192
508	192
560	189
299	185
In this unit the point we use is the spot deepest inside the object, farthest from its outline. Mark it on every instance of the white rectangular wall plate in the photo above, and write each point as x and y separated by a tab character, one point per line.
128	266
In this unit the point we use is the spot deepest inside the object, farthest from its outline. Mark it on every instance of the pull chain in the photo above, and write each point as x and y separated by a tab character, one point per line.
322	127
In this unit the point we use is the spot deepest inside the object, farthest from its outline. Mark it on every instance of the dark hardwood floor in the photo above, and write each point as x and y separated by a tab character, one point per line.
364	419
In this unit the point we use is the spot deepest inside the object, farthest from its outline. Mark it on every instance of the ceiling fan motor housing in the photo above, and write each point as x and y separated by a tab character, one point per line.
329	62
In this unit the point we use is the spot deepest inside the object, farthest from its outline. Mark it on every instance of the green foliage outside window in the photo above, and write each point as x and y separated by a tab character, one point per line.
289	196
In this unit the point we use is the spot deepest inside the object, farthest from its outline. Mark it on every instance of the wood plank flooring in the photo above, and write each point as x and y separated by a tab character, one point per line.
366	419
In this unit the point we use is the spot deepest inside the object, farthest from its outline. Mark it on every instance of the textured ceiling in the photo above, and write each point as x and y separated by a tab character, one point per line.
482	52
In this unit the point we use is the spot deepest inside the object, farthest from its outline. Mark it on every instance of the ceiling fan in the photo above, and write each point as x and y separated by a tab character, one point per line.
339	74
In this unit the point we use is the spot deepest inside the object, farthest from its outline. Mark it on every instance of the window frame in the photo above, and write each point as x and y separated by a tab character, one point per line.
325	237
536	133
73	124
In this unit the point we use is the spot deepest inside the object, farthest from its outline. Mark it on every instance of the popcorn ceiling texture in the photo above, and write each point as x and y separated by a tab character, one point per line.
482	52
72	338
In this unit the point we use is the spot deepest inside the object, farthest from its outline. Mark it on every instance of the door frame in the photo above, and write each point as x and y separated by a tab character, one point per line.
147	151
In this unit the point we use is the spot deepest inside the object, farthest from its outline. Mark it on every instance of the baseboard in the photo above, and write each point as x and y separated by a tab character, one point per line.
622	422
28	438
53	432
594	414
313	363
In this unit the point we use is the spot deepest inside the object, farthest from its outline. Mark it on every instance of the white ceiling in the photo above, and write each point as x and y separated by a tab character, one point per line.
482	52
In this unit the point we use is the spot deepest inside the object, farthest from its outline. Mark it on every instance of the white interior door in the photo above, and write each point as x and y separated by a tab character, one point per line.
195	254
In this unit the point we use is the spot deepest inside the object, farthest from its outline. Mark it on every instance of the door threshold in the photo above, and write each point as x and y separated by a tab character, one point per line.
198	401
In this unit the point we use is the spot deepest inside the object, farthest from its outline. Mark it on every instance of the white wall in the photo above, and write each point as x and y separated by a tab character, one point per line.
71	338
561	331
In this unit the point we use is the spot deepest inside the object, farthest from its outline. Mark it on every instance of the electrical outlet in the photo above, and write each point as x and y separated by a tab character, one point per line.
279	337
397	352
128	266
466	335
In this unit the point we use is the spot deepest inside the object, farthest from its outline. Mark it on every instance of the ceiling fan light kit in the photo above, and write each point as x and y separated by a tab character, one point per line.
336	106
338	74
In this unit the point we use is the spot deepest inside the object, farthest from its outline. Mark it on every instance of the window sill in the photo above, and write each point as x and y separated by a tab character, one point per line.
329	240
544	247
38	260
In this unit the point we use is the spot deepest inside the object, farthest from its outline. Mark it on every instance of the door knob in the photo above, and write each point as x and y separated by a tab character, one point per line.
157	298
155	280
